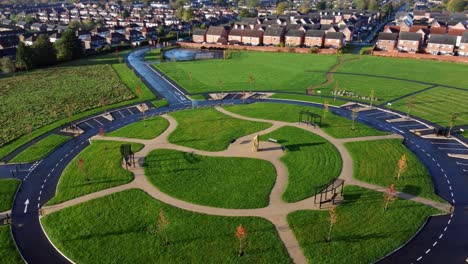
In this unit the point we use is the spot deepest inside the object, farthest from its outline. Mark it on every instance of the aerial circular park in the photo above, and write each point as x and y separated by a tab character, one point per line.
241	161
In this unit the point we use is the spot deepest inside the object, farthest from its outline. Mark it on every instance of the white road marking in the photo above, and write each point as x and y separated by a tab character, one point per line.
26	206
460	149
463	164
427	251
441	235
435	243
419	258
88	124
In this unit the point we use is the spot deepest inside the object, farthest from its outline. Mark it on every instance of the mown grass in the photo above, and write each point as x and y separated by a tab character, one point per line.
270	71
153	54
333	125
208	129
311	161
145	129
101	170
363	232
8	189
308	98
453	74
8	252
116	228
41	149
213	181
376	162
160	103
60	89
432	105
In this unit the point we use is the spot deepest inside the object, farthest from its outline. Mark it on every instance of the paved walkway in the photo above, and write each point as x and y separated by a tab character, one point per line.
276	211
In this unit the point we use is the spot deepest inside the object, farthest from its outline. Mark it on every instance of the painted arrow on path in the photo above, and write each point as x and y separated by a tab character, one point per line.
26	205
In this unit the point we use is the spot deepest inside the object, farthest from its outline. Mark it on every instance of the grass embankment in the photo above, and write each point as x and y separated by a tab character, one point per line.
153	54
41	149
295	72
101	170
311	160
333	125
363	232
376	162
308	98
145	129
208	129
8	189
116	228
8	252
40	99
432	105
213	181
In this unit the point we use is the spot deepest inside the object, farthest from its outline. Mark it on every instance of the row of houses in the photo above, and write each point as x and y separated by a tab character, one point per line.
272	36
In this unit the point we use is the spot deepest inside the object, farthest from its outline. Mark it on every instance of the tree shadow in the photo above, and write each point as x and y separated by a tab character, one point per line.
411	189
297	147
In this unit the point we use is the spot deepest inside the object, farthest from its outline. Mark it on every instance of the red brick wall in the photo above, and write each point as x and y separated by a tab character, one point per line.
444	49
312	41
386	45
253	48
397	54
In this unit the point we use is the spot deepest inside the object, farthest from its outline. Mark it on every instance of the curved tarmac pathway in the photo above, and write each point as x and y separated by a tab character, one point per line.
276	211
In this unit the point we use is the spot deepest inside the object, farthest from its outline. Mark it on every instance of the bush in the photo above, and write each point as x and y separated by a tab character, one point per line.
291	49
366	51
313	50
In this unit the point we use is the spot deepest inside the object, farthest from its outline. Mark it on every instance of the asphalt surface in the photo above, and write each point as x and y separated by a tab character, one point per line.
442	239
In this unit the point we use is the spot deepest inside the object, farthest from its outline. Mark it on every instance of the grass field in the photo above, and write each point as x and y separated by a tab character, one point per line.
146	129
8	252
453	74
437	105
307	98
363	232
152	55
41	149
311	161
116	229
334	125
294	73
35	100
208	129
101	170
213	181
8	189
376	162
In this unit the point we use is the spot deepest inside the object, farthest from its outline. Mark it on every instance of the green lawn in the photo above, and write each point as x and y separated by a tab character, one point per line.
213	181
39	98
8	189
308	98
116	229
311	161
160	103
146	129
334	125
153	54
363	232
453	74
432	105
208	129
41	149
101	170
376	162
270	71
8	252
384	89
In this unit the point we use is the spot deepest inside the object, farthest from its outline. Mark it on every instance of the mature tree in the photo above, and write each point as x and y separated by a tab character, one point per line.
402	165
24	57
246	13
74	24
7	66
44	51
457	5
125	14
88	24
373	5
322	5
253	3
188	14
241	235
304	8
361	4
281	7
69	47
161	30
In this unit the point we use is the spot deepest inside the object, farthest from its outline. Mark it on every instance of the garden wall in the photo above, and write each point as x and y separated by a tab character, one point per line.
397	54
254	48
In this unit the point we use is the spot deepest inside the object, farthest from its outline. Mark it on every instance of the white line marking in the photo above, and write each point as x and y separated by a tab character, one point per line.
448	182
449	221
97	121
40	193
61	159
463	164
443	143
427	251
442	170
39	198
38	205
453	201
419	258
441	235
417	145
450	187
42	187
423	150
454	149
52	170
45	180
88	124
438	165
435	243
432	159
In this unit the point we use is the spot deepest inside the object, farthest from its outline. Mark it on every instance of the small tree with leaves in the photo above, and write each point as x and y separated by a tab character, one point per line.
220	86
409	106
453	117
161	227
371	97
335	91
402	165
326	106
333	217
354	115
251	80
241	235
190	76
389	196
81	167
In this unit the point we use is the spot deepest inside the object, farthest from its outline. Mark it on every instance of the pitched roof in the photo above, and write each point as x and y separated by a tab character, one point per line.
315	33
417	28
199	32
236	32
464	38
215	30
334	35
295	33
252	33
387	36
456	32
438	30
274	31
410	36
443	39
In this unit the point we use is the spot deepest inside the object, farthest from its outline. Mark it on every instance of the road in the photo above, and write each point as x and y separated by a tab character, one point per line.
442	239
